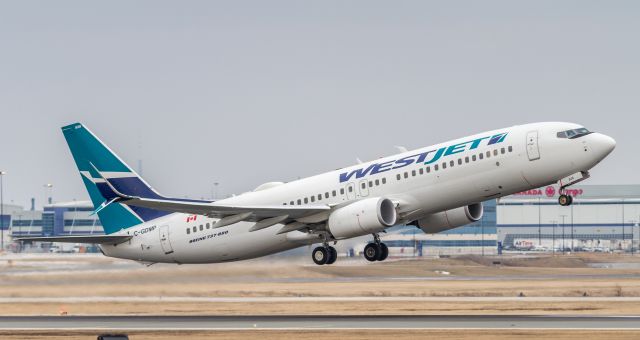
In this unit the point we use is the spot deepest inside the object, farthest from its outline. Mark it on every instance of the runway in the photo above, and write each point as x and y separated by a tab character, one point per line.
316	322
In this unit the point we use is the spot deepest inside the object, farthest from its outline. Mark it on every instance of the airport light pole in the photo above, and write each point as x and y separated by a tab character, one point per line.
553	244
2	173
539	224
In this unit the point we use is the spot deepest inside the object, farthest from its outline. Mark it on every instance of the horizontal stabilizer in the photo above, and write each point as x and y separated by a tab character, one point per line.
94	239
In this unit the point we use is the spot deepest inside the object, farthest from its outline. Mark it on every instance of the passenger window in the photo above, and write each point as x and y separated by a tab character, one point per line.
370	184
334	193
406	175
428	169
319	197
444	165
291	203
398	176
208	225
195	229
473	158
435	167
495	152
341	191
384	180
326	195
350	189
510	148
459	161
488	154
452	163
299	202
201	227
413	172
466	159
481	156
377	182
313	198
306	200
502	151
188	231
421	171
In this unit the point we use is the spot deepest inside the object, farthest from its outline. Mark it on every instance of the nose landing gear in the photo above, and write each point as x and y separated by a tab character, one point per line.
565	200
376	251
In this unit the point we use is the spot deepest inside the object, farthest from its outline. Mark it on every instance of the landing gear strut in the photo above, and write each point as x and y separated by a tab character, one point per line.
376	251
325	254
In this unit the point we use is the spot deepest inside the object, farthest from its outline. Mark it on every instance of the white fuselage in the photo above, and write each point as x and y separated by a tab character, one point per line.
530	156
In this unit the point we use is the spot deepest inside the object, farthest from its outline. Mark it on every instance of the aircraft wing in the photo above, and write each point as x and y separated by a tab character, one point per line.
97	239
253	213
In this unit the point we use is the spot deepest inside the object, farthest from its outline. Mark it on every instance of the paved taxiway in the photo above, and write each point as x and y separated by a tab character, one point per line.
318	322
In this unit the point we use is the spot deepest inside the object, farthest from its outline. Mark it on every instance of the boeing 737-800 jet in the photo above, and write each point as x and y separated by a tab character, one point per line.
435	188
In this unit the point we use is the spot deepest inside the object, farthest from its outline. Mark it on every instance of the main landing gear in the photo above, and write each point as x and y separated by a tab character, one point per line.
376	251
325	254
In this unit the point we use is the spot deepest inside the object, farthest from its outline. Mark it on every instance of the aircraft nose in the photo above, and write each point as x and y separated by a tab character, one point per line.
604	144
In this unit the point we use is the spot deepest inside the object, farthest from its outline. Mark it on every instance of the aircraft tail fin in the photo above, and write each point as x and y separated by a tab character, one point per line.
97	165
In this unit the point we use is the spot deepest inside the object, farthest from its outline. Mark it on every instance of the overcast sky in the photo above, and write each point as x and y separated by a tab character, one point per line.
245	92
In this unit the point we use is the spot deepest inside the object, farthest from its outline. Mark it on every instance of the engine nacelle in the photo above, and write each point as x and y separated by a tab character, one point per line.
363	217
450	219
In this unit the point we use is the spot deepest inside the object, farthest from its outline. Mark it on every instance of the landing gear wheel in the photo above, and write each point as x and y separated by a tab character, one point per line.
565	200
384	252
333	255
320	255
372	252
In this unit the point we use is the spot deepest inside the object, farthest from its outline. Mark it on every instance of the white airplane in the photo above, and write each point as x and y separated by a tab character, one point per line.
434	188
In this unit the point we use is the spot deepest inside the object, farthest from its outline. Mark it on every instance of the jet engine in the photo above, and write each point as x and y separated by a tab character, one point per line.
450	219
363	217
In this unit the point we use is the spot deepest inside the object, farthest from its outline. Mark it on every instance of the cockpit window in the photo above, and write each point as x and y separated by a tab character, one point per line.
575	133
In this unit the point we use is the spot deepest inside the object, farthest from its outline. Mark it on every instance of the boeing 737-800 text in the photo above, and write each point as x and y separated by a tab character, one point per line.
434	188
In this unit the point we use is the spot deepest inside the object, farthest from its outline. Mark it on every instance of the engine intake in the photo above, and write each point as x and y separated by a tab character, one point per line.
450	219
363	217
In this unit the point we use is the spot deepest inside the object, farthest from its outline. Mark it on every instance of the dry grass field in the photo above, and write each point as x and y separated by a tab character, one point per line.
76	276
